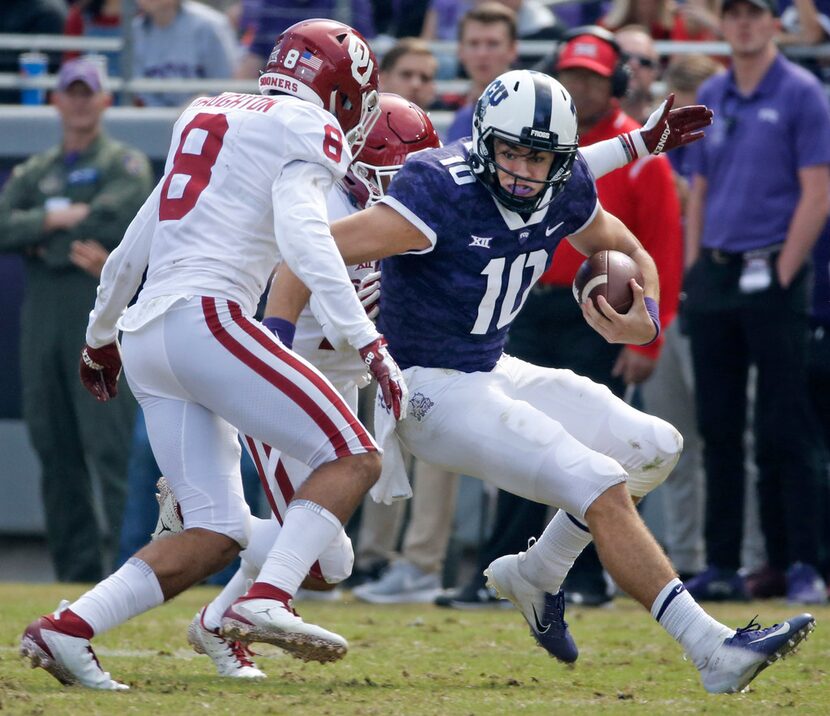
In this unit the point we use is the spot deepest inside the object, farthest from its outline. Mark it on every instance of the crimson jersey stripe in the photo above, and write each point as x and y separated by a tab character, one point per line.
317	571
632	150
299	366
261	368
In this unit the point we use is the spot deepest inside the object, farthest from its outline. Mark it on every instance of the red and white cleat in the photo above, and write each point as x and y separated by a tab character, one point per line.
274	621
70	659
232	658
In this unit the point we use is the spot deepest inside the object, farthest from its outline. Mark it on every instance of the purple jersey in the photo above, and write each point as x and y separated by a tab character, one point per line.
450	306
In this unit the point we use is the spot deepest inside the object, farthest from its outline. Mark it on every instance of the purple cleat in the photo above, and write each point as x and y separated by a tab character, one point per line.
543	611
741	657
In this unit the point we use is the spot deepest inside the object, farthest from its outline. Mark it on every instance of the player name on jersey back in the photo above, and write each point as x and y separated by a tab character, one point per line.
232	100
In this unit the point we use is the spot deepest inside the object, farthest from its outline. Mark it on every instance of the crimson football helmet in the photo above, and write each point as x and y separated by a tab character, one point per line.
403	128
331	65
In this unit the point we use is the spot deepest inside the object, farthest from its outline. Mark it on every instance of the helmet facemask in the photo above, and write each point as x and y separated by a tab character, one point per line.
369	114
373	178
558	175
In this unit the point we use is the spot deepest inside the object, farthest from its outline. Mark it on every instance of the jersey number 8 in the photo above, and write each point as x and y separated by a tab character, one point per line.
196	155
198	150
291	58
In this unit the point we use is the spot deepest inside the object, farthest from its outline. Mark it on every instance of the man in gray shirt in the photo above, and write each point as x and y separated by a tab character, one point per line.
180	39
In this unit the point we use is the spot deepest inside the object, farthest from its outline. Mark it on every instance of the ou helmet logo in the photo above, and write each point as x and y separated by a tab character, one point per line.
362	62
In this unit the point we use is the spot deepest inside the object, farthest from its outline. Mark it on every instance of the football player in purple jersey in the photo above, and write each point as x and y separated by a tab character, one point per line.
465	231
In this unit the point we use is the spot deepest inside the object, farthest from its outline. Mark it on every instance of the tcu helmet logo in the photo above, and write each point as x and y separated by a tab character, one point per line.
362	63
496	92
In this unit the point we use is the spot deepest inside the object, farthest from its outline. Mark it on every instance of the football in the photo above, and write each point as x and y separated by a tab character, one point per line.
607	274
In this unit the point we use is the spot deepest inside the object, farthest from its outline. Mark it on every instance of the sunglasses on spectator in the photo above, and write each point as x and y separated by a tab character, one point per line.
643	61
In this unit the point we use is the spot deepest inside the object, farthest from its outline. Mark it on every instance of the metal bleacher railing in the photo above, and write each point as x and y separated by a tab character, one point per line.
27	129
62	43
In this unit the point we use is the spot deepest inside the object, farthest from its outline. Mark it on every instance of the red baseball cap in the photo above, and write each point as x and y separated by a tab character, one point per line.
589	52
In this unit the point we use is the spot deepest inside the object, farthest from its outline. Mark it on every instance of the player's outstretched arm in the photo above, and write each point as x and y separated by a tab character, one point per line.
288	296
375	233
666	129
302	231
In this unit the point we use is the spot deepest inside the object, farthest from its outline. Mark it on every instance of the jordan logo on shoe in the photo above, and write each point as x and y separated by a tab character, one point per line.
541	628
164	527
266	612
783	629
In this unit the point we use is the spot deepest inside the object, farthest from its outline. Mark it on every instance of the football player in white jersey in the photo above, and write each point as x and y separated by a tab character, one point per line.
245	186
402	128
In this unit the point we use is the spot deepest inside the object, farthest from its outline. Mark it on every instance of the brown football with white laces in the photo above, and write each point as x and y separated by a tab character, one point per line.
607	273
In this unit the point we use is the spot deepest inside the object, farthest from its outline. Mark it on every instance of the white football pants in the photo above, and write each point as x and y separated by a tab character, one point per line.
202	370
541	433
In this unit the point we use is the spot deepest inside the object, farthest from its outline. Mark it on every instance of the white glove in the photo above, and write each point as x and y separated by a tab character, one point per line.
368	291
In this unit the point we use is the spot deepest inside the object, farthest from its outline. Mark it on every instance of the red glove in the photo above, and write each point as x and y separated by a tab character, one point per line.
669	128
100	368
388	375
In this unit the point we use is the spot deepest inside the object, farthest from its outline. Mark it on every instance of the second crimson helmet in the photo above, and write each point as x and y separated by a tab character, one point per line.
331	65
403	128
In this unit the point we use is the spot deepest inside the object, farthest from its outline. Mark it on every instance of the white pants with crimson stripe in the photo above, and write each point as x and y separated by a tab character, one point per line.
281	475
203	370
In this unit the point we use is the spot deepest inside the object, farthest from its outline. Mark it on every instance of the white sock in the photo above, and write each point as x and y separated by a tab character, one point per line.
682	617
263	535
130	591
235	588
307	530
547	563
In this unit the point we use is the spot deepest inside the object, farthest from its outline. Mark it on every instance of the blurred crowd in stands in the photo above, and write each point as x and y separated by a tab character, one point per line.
743	365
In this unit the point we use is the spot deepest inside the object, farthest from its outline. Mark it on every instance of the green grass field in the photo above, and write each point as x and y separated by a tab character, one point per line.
410	660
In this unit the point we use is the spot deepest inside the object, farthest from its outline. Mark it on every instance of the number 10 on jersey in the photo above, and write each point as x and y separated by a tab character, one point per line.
494	271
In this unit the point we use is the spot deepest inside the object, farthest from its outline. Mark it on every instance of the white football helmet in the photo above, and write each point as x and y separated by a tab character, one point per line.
528	109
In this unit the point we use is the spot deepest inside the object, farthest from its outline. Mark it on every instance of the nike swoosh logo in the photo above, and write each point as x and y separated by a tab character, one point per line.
550	229
783	629
541	628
